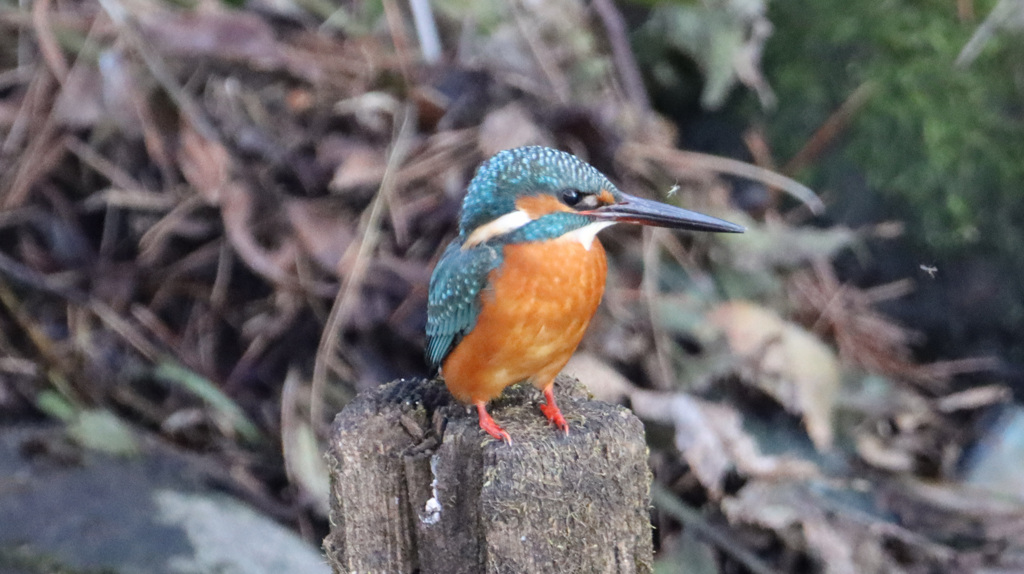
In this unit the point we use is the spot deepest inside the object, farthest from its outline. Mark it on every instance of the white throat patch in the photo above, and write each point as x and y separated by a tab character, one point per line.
586	234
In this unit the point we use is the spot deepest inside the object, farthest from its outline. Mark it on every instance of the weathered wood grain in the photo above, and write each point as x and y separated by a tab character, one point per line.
411	496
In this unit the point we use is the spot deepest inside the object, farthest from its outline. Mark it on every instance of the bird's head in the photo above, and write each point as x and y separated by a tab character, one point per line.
537	193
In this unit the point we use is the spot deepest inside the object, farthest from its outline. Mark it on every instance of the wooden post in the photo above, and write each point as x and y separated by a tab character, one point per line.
413	494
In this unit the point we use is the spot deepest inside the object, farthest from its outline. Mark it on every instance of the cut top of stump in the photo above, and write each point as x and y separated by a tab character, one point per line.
417	486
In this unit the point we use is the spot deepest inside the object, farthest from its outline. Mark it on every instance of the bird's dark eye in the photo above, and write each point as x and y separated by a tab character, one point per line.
571	196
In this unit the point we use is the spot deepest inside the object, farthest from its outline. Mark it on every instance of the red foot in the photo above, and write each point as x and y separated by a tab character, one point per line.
491	427
551	411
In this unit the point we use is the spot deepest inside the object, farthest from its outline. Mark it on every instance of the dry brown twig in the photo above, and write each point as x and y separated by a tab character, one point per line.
47	41
557	81
622	52
865	336
649	292
129	29
361	248
831	129
683	161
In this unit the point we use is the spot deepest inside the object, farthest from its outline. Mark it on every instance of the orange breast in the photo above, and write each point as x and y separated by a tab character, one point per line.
534	314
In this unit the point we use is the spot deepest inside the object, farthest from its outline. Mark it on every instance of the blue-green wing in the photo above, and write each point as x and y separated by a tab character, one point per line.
454	300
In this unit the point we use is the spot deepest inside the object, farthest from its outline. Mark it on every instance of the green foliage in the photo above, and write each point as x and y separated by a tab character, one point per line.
709	34
101	430
96	429
947	142
716	36
229	414
56	406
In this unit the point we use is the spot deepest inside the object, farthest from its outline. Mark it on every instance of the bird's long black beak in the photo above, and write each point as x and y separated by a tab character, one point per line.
632	209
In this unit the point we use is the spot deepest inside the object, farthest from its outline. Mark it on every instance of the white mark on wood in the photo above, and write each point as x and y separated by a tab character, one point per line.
432	509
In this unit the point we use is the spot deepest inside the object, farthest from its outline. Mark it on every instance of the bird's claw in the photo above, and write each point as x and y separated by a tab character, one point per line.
490	427
554	414
496	431
551	410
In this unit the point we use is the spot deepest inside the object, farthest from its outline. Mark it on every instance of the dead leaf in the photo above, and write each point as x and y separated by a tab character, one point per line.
785	507
231	35
277	263
785	361
303	455
80	104
876	452
687	555
362	166
204	163
124	97
955	512
833	547
374	111
771	245
725	39
711	439
322	230
994	462
600	378
509	127
710	436
864	336
974	398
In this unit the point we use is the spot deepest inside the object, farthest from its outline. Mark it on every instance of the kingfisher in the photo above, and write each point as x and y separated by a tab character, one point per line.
513	293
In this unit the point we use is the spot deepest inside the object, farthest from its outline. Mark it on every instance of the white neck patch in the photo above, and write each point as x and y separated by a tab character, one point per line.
500	226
